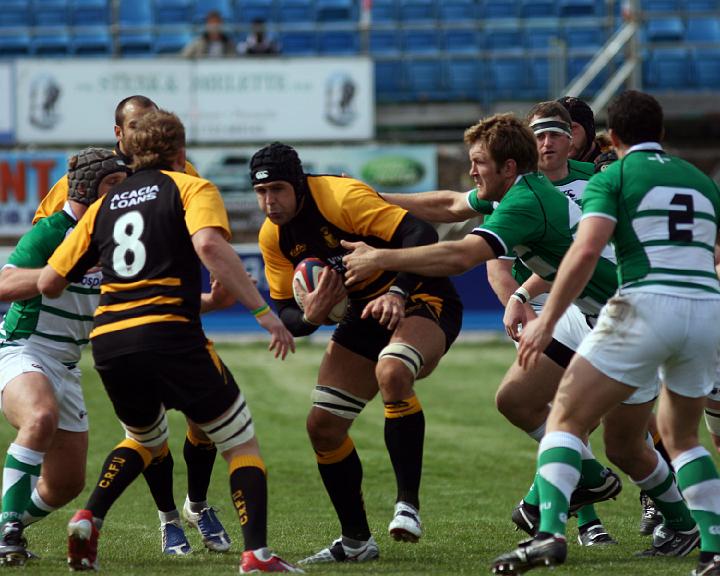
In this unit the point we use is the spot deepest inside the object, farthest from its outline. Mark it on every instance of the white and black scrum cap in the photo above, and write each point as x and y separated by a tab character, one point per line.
551	125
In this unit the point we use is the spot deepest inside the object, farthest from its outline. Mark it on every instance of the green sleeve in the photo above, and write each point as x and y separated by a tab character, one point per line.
36	246
518	219
480	206
601	195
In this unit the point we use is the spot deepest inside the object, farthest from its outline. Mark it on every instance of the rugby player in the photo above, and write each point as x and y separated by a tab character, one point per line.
150	235
198	451
662	215
395	331
40	345
536	221
587	146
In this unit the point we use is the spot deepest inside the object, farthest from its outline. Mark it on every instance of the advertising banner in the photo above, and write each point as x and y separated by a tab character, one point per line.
25	178
7	100
314	99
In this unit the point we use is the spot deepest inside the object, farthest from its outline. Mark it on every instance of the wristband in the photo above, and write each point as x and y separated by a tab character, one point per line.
261	311
523	293
310	322
517	297
398	291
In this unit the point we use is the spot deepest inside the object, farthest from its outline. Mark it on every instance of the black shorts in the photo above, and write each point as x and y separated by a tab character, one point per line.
435	299
195	382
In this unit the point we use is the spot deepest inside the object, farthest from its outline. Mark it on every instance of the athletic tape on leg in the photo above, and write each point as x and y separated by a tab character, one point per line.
410	356
338	402
232	429
154	435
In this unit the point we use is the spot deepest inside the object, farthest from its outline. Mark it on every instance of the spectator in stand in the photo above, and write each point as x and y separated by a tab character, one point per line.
258	41
213	43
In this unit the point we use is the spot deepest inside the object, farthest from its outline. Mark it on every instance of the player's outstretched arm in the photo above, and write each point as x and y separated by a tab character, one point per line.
18	283
435	206
225	265
441	259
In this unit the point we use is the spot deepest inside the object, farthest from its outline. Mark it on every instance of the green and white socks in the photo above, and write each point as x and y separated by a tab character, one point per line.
20	475
660	485
558	472
700	485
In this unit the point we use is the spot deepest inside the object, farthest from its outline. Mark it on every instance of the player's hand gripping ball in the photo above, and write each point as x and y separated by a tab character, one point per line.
306	278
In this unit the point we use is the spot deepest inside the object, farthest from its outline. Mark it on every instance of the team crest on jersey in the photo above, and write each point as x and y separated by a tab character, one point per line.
298	249
330	240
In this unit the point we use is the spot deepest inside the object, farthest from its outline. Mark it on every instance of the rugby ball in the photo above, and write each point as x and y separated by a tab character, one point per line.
306	278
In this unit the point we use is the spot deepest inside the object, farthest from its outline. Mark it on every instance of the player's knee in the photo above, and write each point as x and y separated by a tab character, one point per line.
399	364
324	430
511	405
232	429
41	426
623	453
152	437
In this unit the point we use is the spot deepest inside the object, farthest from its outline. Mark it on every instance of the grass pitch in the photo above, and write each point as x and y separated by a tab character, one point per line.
477	466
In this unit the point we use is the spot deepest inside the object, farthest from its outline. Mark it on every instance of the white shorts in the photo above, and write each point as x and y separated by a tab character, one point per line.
638	333
571	329
17	360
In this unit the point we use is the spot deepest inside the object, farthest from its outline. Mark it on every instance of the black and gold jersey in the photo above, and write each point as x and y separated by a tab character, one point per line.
140	233
56	197
336	208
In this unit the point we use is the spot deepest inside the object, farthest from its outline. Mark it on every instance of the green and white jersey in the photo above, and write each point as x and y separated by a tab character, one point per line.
536	222
573	186
58	327
667	214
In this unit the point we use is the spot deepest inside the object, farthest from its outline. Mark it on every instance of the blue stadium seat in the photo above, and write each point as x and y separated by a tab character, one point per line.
202	7
538	9
702	5
250	10
173	12
664	30
509	78
417	10
541	38
464	78
420	41
539	78
14	44
702	30
295	11
94	41
50	12
578	8
457	10
706	68
298	43
461	40
424	79
384	11
504	39
584	37
172	41
335	10
385	42
500	9
51	43
576	64
389	81
667	69
338	42
135	19
660	5
15	13
90	12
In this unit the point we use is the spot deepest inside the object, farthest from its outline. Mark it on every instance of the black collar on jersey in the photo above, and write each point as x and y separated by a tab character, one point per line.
550	125
124	157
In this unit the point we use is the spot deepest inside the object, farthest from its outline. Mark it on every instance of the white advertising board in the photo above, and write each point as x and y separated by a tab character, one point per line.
7	97
315	99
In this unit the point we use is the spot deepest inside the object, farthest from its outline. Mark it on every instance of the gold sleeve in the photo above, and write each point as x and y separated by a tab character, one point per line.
203	204
356	207
278	269
54	200
76	244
